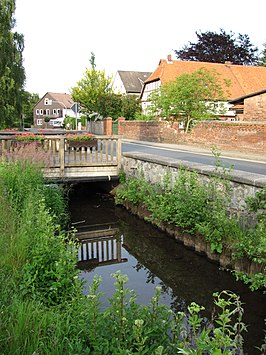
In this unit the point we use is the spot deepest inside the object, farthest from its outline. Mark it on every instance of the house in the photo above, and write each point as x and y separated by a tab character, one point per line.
244	79
251	107
51	110
129	82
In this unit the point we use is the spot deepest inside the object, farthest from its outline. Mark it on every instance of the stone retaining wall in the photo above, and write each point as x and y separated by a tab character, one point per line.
199	245
154	168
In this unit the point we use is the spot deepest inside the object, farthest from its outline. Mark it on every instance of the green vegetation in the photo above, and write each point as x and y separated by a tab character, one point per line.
43	310
96	96
12	73
203	209
220	47
191	97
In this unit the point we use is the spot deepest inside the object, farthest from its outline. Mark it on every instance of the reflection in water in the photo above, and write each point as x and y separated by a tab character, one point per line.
95	251
153	259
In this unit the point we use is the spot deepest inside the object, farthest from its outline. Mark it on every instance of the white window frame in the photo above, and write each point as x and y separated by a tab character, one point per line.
37	112
39	122
41	112
54	111
48	112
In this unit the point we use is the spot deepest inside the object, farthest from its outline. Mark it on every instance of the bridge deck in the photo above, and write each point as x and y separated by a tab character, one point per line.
62	161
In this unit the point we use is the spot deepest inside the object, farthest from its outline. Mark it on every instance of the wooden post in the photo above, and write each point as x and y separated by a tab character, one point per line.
118	154
62	155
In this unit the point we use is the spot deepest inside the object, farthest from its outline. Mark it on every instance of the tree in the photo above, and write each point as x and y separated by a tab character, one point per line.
91	89
12	73
262	58
191	97
130	107
29	101
219	48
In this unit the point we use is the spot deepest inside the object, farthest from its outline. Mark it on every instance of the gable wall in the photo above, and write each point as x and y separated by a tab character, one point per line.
255	108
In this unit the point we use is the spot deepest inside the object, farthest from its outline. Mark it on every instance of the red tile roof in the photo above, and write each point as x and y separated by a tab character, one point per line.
244	79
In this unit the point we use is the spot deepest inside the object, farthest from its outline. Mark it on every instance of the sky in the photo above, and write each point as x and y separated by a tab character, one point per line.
60	35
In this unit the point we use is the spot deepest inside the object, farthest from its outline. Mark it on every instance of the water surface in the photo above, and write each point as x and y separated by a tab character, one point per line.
151	258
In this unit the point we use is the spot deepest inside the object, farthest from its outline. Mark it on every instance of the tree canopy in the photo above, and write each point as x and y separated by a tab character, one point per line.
191	97
262	58
93	86
220	47
95	94
12	73
29	101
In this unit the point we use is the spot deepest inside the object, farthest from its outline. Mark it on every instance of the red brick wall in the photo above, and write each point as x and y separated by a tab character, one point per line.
227	135
255	108
140	130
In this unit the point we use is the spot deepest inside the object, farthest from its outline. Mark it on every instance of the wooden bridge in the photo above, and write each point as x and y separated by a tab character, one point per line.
65	161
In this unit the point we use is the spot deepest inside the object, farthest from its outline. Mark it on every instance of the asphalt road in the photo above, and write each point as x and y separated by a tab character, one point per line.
197	157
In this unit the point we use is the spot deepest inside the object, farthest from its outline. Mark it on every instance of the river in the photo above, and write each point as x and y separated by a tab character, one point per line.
151	258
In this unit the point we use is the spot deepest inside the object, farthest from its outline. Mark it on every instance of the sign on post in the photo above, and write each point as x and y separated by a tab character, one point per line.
76	107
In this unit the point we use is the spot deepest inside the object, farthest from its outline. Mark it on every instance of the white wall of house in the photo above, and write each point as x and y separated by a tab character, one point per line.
118	85
149	88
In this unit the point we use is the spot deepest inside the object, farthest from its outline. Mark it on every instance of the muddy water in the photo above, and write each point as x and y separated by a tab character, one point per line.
150	258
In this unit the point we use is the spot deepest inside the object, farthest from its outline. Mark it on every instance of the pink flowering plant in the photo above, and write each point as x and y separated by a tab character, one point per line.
29	137
80	137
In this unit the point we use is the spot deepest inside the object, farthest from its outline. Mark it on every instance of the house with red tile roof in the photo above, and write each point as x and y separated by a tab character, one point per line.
244	80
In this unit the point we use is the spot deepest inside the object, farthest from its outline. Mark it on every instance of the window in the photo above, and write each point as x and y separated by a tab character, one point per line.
58	111
37	112
41	112
48	111
39	122
47	101
54	111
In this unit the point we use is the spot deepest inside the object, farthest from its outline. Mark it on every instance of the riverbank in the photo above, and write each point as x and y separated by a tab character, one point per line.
197	242
183	202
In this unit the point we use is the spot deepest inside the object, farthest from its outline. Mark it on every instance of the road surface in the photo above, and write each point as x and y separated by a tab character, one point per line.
258	167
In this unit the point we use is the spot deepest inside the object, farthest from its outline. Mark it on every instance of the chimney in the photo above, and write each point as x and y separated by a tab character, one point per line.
169	58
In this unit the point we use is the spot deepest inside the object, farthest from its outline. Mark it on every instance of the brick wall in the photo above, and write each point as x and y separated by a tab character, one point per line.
139	130
248	136
229	135
255	107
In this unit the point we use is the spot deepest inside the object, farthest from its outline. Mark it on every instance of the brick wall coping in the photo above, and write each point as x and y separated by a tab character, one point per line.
234	123
252	179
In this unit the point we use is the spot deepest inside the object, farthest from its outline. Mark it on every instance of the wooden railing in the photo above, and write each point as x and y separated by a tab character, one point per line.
64	157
